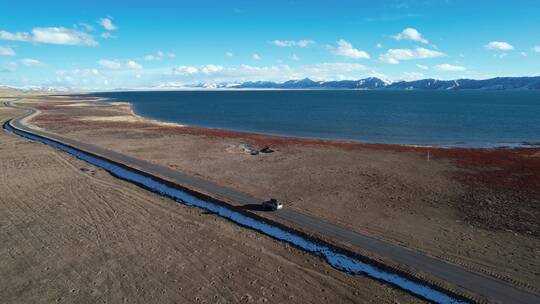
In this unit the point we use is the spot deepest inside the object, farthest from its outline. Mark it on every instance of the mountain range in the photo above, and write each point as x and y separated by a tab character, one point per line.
373	83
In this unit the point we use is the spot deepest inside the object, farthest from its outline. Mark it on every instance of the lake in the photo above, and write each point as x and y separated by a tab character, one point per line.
442	118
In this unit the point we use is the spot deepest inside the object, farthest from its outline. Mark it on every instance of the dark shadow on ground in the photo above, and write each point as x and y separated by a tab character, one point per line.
255	207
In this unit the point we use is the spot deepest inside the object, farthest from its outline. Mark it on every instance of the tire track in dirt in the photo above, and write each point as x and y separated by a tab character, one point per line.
69	163
96	219
27	205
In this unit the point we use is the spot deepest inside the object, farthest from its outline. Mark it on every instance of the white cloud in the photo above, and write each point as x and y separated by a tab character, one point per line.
86	26
229	54
422	67
107	36
379	46
55	35
124	77
5	51
409	76
158	56
288	43
294	57
107	24
15	36
185	70
116	64
110	64
256	57
394	56
524	54
133	65
345	49
51	35
211	69
79	78
32	62
499	46
537	49
449	68
78	72
282	72
411	34
208	69
426	53
152	58
325	70
304	43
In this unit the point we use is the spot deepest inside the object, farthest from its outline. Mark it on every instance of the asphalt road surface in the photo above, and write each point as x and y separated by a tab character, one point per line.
496	291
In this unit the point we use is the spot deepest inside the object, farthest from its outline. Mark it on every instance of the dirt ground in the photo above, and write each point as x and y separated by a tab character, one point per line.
72	233
472	207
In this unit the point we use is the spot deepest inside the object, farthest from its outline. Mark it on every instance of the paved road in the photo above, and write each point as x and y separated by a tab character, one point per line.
490	288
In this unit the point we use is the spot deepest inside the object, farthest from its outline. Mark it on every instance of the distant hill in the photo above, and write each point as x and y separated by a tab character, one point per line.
373	83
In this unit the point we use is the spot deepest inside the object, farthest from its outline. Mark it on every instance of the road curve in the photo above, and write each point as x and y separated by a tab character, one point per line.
486	288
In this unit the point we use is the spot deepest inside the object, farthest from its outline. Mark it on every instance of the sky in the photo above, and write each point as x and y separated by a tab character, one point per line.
159	44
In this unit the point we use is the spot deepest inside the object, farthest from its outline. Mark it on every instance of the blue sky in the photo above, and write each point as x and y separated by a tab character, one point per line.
130	44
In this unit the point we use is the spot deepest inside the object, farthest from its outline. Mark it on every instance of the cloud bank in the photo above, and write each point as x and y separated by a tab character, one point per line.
394	56
51	35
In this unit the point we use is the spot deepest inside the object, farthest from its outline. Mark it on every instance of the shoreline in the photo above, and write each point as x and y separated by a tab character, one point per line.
131	116
506	159
495	145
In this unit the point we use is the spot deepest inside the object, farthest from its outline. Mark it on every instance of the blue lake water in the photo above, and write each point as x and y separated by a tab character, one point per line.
445	118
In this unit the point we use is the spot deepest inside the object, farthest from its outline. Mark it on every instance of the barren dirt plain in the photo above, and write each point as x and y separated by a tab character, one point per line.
71	233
